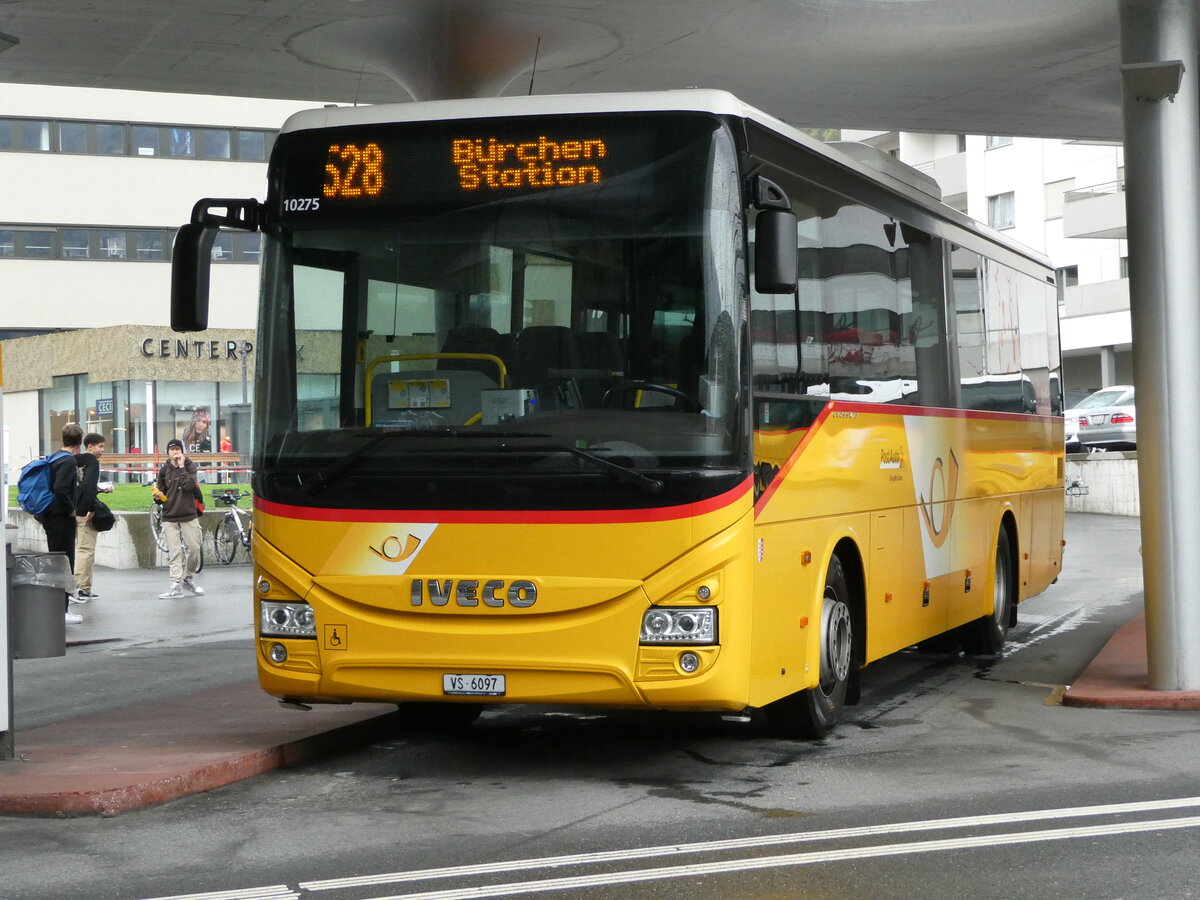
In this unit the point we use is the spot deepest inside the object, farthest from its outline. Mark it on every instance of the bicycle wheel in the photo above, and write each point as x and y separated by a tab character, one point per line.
156	526
200	561
226	540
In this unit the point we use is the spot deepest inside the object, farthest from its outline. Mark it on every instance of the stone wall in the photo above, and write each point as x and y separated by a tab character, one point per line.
129	545
1105	483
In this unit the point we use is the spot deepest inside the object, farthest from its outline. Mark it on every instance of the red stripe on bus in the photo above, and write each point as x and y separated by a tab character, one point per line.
508	516
791	460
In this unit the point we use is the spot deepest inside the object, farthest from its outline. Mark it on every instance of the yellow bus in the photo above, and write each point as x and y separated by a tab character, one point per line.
639	400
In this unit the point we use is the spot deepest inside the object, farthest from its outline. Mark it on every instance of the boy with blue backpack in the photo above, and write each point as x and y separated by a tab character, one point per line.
58	516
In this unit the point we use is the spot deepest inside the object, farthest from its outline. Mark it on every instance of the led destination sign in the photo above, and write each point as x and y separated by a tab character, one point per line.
542	163
418	168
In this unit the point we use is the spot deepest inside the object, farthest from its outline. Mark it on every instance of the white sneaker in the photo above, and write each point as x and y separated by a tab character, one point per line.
172	593
79	597
189	585
73	619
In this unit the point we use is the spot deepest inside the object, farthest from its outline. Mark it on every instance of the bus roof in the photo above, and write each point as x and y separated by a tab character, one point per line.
863	159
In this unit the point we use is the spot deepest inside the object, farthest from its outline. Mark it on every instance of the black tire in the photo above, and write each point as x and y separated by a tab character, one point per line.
439	717
987	634
814	713
200	558
156	526
226	541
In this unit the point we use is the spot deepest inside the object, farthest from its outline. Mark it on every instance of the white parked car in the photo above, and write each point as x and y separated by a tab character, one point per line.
1105	420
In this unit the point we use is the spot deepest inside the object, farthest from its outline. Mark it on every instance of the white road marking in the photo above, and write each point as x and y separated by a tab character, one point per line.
770	840
273	892
795	859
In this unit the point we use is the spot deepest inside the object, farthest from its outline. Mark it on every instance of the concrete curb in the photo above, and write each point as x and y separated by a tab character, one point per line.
140	756
1118	678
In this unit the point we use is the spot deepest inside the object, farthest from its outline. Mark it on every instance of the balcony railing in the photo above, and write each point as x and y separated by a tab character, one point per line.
1097	190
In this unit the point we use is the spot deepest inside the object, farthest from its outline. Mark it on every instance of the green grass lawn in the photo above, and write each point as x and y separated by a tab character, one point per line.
136	497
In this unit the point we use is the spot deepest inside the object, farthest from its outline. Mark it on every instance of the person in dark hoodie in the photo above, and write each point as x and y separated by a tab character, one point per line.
177	488
85	509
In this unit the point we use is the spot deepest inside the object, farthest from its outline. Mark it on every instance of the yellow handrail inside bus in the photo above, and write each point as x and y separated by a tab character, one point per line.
403	357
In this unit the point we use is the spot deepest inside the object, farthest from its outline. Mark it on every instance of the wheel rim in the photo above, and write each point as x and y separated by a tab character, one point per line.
1001	587
836	639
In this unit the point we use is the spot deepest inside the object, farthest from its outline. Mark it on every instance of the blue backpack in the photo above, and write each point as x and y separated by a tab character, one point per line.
35	492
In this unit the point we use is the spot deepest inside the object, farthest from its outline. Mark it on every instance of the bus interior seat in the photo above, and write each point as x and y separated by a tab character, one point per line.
474	339
600	357
540	349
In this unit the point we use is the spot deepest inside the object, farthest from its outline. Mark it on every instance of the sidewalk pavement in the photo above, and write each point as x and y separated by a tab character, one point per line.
158	699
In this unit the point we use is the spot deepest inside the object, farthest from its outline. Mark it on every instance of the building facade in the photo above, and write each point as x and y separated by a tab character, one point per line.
1064	198
93	184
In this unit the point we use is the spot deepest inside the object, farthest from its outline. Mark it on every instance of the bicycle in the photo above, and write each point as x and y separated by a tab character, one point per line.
156	529
235	528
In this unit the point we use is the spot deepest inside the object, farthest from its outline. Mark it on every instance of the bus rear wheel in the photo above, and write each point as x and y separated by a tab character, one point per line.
987	634
815	712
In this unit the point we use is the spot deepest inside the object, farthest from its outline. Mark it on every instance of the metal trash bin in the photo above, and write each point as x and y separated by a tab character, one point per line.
40	582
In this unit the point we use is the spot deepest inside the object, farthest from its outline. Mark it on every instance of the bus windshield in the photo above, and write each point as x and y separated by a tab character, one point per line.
494	314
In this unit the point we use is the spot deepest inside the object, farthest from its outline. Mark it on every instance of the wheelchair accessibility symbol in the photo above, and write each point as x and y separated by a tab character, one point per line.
336	637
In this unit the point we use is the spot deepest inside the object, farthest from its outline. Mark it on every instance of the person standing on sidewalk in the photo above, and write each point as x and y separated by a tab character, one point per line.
58	520
85	509
181	525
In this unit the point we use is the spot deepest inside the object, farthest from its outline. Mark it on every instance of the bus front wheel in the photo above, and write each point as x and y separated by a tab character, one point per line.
815	712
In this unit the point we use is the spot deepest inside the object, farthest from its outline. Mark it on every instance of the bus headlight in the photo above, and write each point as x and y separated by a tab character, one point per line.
687	625
286	619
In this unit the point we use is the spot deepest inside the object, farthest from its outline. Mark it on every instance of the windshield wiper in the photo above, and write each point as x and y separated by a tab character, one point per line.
623	473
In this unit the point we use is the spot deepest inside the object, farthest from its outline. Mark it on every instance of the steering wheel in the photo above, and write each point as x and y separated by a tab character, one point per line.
616	392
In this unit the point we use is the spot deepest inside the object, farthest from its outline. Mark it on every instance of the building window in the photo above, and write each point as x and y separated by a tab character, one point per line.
183	143
149	244
252	145
215	143
145	141
34	136
74	243
7	243
1001	211
112	245
1124	262
72	137
993	141
35	244
110	139
961	143
1068	276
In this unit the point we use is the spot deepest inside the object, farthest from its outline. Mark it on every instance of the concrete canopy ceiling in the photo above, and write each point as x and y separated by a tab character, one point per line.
1044	68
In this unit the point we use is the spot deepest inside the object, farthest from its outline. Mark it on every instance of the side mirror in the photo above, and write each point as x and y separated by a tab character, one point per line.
775	254
191	258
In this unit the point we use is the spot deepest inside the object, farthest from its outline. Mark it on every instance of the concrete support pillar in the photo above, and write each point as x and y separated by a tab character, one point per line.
1108	366
1162	170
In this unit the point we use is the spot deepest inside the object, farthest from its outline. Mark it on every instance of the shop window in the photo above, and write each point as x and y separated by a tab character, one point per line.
184	410
58	409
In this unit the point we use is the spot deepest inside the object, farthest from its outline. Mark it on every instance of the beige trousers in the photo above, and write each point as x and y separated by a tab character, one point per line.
85	553
182	536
